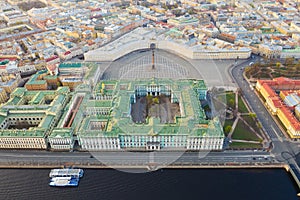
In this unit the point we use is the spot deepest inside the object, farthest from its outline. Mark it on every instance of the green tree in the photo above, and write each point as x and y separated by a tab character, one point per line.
231	103
227	129
191	11
253	115
259	125
278	64
155	100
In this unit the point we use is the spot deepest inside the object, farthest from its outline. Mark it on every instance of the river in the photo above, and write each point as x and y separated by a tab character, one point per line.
169	184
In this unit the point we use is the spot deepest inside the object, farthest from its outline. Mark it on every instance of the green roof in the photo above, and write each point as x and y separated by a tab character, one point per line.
61	133
14	100
92	70
45	123
99	103
33	108
296	50
70	65
18	91
37	98
119	122
4	62
22	133
183	20
58	99
50	77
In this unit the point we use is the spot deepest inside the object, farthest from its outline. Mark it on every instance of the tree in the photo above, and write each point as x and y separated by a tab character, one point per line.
259	125
177	12
155	100
227	129
278	64
231	103
253	115
191	11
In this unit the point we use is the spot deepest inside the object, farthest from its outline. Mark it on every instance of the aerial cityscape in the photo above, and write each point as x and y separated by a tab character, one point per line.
150	86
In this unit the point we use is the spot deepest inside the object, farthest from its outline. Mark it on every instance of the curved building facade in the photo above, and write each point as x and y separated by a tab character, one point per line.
140	39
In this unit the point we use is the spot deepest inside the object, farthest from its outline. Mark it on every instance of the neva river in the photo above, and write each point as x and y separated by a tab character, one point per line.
167	184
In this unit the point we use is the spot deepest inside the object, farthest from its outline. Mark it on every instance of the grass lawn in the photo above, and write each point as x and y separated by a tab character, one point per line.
230	97
241	145
242	132
251	122
290	70
242	106
226	123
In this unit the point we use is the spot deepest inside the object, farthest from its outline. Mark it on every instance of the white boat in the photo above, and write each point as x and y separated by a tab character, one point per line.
65	177
78	173
63	181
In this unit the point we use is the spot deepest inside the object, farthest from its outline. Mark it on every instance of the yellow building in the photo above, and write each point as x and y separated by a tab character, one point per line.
10	85
3	96
42	81
276	105
72	34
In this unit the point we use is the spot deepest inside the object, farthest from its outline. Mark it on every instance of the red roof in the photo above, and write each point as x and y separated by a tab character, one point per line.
286	81
276	101
269	90
228	35
292	119
8	58
95	9
51	58
282	82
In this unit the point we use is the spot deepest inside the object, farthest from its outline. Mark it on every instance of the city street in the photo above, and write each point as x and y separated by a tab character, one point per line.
279	140
135	158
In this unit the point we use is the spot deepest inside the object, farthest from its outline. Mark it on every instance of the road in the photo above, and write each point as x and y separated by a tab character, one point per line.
279	140
135	158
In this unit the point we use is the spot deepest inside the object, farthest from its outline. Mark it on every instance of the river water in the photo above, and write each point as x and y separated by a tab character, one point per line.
169	184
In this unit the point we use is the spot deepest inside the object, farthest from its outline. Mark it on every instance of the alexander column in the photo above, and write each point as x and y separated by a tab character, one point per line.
152	47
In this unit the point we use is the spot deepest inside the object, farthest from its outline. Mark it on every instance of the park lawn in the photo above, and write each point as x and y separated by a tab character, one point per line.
226	123
241	145
242	132
262	75
242	107
276	74
290	70
230	97
251	122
